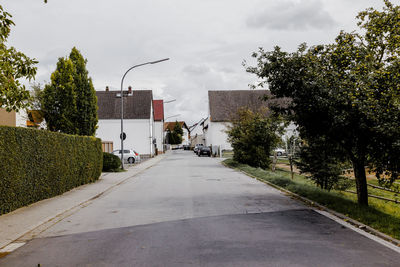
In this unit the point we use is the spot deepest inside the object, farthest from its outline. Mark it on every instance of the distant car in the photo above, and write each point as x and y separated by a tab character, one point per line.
196	148
186	147
280	152
130	155
204	150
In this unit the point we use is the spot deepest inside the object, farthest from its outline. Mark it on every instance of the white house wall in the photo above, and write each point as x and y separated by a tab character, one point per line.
138	134
21	118
216	135
159	134
151	132
185	137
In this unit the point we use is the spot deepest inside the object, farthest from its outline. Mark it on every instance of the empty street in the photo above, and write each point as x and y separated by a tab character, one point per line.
193	211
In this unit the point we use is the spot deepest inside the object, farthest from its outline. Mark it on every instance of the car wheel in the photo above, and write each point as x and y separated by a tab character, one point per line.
209	155
131	160
279	154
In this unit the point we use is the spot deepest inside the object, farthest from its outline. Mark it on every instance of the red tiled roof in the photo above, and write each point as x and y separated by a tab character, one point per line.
158	106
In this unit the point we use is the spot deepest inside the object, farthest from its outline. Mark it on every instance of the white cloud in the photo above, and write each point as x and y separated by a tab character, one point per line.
206	40
292	15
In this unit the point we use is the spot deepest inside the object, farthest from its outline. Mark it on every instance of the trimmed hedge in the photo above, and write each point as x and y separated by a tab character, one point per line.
37	164
111	162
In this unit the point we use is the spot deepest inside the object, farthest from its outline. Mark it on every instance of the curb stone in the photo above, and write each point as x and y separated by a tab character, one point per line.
49	220
341	216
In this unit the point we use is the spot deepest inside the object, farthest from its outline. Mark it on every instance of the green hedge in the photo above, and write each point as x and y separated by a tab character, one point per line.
111	162
38	164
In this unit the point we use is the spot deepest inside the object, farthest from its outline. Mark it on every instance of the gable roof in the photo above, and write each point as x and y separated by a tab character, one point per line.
158	107
225	104
170	125
136	106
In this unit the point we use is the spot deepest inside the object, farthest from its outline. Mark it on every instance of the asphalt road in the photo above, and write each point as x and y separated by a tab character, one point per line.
190	211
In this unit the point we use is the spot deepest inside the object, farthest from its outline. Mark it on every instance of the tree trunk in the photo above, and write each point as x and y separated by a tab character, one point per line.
361	182
291	165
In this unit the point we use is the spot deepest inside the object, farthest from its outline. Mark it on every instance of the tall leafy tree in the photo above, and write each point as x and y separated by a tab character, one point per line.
86	100
60	99
178	129
69	101
174	137
14	65
346	93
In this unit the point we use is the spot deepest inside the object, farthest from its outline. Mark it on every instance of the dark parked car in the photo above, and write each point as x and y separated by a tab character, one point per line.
197	147
204	150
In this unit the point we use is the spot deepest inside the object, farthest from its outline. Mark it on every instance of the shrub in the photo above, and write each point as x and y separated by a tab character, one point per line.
111	162
36	164
253	135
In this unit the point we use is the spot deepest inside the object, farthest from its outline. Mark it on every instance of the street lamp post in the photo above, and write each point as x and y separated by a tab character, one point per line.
122	104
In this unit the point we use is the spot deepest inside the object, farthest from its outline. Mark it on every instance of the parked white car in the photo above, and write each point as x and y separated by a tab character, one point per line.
130	155
280	152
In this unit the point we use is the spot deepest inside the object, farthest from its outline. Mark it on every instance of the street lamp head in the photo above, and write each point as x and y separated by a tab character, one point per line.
169	101
158	61
122	102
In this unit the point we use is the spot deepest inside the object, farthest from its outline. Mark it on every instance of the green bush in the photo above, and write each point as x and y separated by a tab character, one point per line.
37	164
111	162
253	135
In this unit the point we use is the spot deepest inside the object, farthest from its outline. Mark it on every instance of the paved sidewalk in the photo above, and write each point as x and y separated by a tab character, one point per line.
23	220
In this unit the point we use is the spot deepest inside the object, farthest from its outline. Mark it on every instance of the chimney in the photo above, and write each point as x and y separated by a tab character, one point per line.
130	89
107	89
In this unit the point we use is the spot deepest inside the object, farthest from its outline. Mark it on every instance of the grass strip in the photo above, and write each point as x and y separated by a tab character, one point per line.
380	215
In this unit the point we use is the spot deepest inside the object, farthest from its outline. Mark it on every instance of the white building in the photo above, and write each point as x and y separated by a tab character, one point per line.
138	120
23	118
196	134
222	109
158	107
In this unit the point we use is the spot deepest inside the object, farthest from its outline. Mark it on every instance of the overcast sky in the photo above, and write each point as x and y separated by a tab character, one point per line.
207	40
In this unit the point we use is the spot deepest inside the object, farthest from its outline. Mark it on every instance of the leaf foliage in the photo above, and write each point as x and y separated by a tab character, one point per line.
345	94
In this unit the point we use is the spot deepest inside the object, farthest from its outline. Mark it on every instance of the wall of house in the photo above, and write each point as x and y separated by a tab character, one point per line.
21	118
7	118
216	136
206	132
138	134
159	135
185	137
13	118
151	133
197	139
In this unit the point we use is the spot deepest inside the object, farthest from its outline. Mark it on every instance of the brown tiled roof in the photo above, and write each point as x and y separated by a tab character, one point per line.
225	104
136	106
171	124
